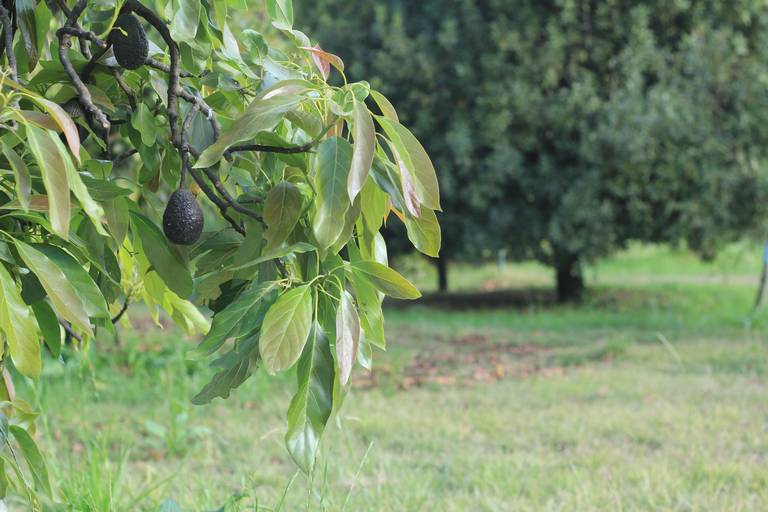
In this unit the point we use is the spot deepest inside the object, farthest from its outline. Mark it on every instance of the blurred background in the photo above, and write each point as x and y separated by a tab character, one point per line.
590	339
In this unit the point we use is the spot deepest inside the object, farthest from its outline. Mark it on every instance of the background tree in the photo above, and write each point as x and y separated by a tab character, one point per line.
565	129
150	155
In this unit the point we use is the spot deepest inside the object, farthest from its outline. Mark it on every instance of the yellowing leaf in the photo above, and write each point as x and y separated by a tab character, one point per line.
19	326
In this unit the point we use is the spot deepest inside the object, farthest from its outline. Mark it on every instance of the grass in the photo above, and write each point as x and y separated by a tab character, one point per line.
650	396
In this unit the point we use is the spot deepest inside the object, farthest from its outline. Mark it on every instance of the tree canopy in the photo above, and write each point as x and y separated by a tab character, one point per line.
151	155
565	129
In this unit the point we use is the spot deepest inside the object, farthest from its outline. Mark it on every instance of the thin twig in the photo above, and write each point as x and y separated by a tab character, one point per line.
125	87
123	157
88	69
70	332
65	43
204	108
122	311
161	66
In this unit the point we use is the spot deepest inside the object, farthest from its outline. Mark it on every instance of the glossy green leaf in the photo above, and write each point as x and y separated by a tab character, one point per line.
168	266
282	210
90	207
49	326
285	329
63	296
23	185
245	314
417	162
364	149
19	326
332	165
241	363
53	169
34	458
385	279
144	122
312	404
184	20
89	293
424	232
347	336
281	12
261	115
385	106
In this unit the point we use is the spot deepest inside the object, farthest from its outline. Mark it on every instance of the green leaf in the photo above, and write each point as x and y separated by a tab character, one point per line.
365	147
384	105
184	21
49	326
65	123
144	122
285	329
241	363
386	280
261	115
281	12
91	207
297	248
53	169
23	184
243	315
347	336
333	161
282	210
89	293
424	232
417	161
34	458
167	265
312	404
19	326
25	17
63	296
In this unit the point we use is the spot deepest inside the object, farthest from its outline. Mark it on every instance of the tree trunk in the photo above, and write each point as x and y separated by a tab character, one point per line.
442	274
570	281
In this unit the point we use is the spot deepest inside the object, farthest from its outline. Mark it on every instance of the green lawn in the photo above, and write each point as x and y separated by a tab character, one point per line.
650	396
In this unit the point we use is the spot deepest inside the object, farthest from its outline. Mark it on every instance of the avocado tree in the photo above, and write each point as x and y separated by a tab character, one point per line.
149	154
565	129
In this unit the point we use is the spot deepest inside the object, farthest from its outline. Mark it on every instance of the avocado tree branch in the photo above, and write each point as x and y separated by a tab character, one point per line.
122	311
161	66
195	99
65	43
125	87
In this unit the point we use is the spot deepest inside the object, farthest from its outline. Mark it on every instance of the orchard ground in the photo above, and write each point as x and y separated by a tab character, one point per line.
650	396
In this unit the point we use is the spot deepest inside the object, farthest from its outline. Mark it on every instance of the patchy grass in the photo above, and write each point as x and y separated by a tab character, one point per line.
647	397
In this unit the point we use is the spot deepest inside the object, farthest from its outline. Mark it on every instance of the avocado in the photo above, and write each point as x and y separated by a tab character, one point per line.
129	41
183	218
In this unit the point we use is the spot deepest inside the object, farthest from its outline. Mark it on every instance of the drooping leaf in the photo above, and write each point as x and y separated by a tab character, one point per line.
417	161
65	123
53	169
63	296
384	105
285	329
364	149
424	232
261	115
49	326
34	458
25	16
282	210
23	185
241	362
89	293
312	404
347	336
18	324
385	279
324	60
333	161
167	265
245	314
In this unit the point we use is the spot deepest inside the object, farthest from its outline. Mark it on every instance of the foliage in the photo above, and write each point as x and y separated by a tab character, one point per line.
292	174
564	129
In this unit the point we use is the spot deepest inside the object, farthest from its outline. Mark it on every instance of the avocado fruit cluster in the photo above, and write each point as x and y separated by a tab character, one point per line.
129	41
183	218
